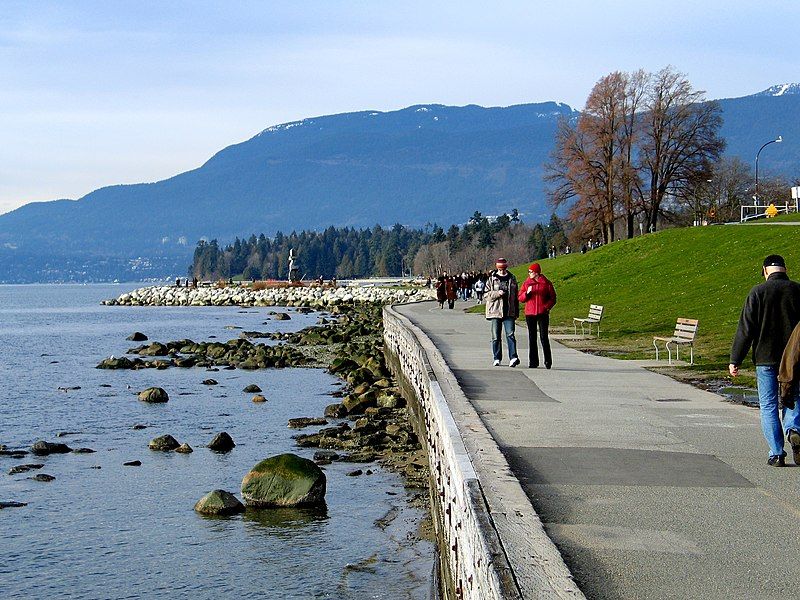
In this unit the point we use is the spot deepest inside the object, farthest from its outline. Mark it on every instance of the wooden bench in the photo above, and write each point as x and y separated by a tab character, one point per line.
595	314
685	332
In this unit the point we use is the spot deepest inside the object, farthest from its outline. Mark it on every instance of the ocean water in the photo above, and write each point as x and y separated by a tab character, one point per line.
103	530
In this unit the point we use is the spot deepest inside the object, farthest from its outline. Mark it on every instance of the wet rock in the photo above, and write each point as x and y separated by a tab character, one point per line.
66	433
281	316
43	448
335	411
222	442
42	477
355	473
14	453
137	336
132	463
163	443
184	449
154	395
25	468
220	503
356	405
301	422
123	362
259	398
154	349
252	389
210	382
12	505
83	451
284	480
361	456
328	455
139	426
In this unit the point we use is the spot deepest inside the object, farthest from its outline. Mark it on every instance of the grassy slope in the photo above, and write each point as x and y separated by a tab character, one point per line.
648	282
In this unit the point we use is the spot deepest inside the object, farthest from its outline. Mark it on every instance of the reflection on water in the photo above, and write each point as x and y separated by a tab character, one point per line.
740	395
281	521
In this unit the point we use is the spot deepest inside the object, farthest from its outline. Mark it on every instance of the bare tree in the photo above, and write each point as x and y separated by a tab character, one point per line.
678	141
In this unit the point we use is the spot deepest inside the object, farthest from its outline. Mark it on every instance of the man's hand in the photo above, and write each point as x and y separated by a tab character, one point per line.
733	370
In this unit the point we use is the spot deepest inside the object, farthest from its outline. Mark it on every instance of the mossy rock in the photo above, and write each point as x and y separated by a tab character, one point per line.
154	395
252	389
116	363
284	480
219	503
164	443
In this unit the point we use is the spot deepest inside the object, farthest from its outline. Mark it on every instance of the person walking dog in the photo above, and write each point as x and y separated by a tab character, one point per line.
769	315
539	296
502	310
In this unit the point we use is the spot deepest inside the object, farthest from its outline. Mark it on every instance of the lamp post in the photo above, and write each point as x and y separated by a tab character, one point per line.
777	141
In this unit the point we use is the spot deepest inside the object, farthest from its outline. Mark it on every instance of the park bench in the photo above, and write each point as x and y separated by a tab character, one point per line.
685	332
595	314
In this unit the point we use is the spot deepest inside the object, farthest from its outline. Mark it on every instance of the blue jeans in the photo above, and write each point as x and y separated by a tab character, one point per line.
497	347
767	380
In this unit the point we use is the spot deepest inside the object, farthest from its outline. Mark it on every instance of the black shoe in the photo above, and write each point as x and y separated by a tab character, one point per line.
533	366
547	365
776	461
794	440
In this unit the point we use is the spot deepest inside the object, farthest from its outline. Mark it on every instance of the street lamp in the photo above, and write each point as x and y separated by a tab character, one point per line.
778	141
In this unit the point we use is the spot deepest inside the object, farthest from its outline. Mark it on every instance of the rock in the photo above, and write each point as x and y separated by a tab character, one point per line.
393	430
140	426
42	448
355	473
154	349
123	362
137	336
210	382
390	401
356	405
83	451
335	411
328	455
252	389
14	453
163	443
219	502
42	477
132	463
222	442
12	505
154	395
301	422
66	433
184	449
284	480
24	468
259	398
281	317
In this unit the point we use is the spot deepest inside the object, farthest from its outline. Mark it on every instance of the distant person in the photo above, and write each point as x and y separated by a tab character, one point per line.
502	310
480	288
769	315
441	291
539	297
451	291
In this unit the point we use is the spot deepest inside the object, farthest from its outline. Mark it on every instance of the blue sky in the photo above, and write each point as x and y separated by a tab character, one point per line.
99	92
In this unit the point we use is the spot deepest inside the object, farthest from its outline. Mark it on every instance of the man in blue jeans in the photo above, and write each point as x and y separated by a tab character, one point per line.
770	313
502	310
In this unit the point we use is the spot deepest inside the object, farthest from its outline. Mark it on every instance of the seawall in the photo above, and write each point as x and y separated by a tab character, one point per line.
491	542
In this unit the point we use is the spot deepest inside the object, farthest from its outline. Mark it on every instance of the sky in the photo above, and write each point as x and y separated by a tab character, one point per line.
103	92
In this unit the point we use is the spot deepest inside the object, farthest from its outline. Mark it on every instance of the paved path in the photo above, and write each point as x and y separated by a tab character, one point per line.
649	487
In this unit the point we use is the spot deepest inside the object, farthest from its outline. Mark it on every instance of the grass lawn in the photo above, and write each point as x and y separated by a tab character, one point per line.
646	283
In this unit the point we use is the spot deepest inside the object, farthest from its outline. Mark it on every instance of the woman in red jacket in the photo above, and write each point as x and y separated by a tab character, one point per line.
539	297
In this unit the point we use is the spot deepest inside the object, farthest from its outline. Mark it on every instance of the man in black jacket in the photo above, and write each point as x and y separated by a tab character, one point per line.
771	311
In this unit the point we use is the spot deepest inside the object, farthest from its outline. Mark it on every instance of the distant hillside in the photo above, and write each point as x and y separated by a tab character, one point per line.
419	165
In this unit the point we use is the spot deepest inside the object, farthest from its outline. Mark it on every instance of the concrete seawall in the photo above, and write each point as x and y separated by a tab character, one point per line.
491	542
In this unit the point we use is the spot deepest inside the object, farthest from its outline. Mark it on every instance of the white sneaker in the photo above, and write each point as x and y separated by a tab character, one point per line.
514	362
496	363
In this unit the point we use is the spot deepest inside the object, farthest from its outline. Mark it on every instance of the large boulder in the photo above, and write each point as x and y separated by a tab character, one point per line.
121	362
222	442
219	502
164	443
137	336
42	448
284	480
154	349
153	395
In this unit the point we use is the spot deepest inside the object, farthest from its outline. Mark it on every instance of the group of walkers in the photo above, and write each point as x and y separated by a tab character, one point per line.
769	324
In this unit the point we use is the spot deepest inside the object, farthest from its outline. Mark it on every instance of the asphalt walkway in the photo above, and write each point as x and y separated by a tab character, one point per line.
649	488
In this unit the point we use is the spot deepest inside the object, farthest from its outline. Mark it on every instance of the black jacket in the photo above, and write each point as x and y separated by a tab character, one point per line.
771	311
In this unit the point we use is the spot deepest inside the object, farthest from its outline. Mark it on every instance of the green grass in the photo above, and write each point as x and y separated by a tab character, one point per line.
646	283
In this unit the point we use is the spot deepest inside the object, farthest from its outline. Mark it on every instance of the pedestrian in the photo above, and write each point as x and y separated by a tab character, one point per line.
480	287
451	290
502	310
441	291
539	296
769	315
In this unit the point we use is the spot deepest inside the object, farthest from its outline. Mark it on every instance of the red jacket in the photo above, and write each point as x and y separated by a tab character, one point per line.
539	296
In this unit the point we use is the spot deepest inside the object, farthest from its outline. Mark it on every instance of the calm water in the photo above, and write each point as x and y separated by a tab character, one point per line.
130	532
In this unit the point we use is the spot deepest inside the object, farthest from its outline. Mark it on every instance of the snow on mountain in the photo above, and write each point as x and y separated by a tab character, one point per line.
781	89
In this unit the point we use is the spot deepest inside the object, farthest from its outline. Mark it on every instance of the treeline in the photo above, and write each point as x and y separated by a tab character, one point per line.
346	253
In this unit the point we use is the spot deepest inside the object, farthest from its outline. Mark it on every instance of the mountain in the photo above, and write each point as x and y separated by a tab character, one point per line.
418	165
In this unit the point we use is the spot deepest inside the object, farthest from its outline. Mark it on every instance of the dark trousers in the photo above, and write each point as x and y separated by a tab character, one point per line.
542	323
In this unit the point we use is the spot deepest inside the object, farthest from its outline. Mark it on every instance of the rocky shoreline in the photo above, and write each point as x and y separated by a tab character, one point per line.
234	295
